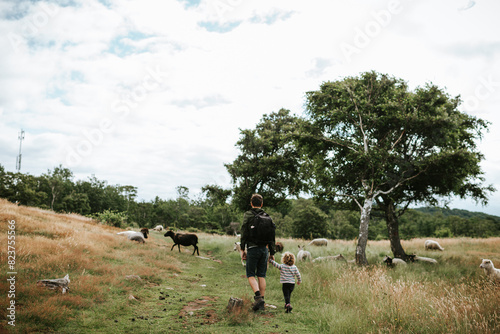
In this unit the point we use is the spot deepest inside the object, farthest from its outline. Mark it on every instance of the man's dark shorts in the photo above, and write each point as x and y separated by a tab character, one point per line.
257	258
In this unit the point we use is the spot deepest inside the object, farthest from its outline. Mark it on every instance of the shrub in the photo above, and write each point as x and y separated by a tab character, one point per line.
110	217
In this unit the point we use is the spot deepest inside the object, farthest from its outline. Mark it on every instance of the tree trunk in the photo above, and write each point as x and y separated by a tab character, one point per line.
53	198
363	232
393	231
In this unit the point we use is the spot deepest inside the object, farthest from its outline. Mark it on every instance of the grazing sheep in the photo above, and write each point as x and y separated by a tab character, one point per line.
278	247
237	247
303	255
394	262
328	258
431	244
184	240
136	236
158	228
425	259
318	242
490	270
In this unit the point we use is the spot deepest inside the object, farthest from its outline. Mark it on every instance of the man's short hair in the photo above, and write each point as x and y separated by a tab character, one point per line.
256	200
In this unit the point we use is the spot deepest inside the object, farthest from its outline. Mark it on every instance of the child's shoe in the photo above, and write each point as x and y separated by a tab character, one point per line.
288	308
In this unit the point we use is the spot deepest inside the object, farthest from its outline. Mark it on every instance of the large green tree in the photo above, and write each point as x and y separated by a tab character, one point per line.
370	138
439	143
269	163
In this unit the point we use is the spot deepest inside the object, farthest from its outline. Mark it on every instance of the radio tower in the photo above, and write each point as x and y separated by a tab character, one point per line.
18	160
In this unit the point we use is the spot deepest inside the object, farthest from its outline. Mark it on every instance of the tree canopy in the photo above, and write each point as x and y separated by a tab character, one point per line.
269	163
370	138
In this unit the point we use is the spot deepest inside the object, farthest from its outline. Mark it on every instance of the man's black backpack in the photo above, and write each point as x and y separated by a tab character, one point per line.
261	229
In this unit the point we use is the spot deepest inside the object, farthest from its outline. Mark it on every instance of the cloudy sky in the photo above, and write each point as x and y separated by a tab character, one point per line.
152	93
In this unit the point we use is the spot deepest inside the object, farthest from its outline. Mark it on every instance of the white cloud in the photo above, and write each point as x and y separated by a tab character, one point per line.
82	80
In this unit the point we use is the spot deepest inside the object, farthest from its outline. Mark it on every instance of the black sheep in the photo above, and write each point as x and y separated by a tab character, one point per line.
184	240
278	247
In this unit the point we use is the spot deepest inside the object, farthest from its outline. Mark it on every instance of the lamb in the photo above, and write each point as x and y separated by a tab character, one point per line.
278	247
237	247
136	236
431	244
332	257
303	255
394	262
318	242
490	270
158	228
184	240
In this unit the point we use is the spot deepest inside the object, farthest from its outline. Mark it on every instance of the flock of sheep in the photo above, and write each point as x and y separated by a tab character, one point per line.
188	239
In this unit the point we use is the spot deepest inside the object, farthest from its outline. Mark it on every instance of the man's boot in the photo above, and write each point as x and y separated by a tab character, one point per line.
259	303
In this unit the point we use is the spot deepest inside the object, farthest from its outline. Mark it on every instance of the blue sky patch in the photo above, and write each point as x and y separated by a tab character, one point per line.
77	76
272	17
118	46
190	3
214	26
58	93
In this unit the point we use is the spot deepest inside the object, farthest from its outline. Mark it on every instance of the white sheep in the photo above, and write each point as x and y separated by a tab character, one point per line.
490	270
237	247
303	255
431	244
331	257
158	228
136	236
394	262
318	242
425	259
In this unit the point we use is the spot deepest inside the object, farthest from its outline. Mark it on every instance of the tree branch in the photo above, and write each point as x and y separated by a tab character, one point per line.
397	141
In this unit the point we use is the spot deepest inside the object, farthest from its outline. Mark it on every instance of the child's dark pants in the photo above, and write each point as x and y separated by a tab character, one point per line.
287	291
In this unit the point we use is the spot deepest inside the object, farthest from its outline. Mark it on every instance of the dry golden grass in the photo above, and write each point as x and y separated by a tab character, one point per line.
50	245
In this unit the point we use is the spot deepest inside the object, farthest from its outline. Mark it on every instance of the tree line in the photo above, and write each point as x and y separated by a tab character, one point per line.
365	150
214	212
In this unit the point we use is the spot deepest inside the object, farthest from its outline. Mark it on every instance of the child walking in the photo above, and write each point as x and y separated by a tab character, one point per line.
288	272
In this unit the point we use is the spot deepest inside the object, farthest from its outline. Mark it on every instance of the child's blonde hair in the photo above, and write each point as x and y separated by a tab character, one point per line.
288	258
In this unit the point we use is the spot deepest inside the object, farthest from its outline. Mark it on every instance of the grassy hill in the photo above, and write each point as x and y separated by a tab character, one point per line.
120	286
457	212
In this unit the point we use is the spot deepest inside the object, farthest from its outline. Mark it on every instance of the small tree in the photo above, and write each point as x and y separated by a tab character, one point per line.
59	182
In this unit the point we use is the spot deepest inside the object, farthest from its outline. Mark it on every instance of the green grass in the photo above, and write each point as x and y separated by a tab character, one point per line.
181	293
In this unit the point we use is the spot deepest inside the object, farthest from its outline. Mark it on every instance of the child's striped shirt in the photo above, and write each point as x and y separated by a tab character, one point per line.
287	273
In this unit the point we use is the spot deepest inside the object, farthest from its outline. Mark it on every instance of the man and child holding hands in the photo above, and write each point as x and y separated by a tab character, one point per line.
258	248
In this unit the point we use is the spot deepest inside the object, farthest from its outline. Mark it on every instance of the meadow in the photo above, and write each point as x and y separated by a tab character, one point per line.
120	286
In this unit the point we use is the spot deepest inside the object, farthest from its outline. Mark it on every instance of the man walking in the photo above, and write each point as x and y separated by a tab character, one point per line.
257	243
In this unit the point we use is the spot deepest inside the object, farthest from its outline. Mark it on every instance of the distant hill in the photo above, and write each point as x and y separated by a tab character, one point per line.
457	212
